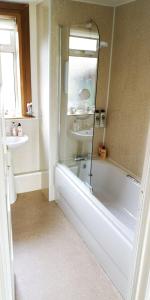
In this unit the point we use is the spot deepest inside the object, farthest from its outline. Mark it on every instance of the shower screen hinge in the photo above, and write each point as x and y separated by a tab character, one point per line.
89	187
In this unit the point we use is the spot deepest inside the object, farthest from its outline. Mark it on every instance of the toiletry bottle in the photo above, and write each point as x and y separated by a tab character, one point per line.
29	109
97	118
19	130
99	149
103	153
13	129
102	118
76	125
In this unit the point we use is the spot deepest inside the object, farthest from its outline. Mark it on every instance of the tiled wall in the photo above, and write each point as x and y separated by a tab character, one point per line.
128	108
129	101
68	13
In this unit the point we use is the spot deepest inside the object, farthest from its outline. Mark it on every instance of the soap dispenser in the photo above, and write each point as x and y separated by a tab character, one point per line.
19	130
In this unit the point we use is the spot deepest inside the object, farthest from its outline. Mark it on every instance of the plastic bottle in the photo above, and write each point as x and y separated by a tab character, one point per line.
19	130
102	151
76	126
13	129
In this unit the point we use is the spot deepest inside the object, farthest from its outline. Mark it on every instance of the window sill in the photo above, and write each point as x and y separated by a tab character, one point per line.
19	117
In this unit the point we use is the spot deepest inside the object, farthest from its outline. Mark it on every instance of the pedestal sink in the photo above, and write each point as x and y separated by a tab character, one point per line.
13	142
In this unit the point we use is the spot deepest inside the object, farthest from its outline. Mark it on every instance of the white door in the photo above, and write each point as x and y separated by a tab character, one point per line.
6	250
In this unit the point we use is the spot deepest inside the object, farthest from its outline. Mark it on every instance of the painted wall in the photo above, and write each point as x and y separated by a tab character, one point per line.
31	161
26	158
43	87
129	101
43	90
67	13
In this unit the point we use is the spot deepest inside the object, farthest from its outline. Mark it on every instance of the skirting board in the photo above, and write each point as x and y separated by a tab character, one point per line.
31	182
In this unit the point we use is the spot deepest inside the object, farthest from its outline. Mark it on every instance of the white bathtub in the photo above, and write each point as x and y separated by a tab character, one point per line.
105	221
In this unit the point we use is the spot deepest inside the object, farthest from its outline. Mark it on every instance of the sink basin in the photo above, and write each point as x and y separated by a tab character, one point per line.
14	142
83	135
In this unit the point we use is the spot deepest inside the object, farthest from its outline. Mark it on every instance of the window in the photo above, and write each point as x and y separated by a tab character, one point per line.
15	78
9	67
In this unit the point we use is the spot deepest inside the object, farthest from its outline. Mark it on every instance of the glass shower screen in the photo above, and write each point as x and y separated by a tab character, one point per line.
79	51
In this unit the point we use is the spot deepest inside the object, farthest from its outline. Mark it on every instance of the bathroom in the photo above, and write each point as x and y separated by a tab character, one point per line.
82	153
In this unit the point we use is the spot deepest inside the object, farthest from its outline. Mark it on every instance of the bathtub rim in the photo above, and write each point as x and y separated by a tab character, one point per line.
123	229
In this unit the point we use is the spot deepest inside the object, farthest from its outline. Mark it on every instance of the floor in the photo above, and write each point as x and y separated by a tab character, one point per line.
51	261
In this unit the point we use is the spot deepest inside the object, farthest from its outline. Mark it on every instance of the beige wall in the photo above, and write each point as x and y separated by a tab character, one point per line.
66	13
129	101
129	104
43	84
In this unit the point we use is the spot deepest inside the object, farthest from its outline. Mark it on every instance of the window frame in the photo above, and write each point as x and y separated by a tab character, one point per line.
21	13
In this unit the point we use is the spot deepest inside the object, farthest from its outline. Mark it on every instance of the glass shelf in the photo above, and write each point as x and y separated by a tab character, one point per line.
80	114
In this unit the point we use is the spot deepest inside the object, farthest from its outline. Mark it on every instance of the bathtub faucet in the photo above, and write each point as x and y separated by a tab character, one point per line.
80	158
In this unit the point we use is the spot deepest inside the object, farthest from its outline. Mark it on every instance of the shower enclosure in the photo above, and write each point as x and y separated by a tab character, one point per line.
80	45
98	197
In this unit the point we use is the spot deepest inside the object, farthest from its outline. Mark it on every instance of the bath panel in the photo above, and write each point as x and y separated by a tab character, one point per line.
110	239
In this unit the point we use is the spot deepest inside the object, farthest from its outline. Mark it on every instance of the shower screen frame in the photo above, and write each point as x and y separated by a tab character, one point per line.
63	88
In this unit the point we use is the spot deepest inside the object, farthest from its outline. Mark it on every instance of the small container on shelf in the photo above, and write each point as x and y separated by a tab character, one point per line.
29	109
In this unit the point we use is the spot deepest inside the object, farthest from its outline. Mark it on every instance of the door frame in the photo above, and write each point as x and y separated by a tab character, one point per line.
140	280
140	276
6	268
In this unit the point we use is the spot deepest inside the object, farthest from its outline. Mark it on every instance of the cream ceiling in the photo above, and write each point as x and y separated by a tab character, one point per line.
113	3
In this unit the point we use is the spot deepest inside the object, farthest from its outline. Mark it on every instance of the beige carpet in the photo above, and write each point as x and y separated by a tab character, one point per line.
50	259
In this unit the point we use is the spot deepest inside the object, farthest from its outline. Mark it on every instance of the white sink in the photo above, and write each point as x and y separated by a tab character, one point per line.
13	142
83	135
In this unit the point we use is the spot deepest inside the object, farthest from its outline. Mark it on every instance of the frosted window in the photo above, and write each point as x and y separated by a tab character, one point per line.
82	75
10	91
76	43
8	82
5	37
